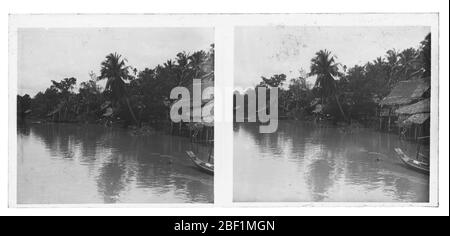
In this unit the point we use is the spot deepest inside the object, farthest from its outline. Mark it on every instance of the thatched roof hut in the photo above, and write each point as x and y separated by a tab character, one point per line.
57	109
206	80
422	106
407	92
406	104
318	109
418	118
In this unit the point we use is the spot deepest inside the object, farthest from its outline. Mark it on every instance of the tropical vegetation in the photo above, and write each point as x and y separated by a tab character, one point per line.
348	93
130	96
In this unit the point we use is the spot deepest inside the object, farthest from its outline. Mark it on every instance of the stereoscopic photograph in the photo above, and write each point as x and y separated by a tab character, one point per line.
115	115
312	110
332	114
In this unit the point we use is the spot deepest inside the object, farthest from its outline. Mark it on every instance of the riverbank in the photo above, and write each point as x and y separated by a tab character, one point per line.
372	123
57	161
144	129
304	162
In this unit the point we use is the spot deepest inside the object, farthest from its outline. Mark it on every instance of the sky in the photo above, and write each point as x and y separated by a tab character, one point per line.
55	54
269	50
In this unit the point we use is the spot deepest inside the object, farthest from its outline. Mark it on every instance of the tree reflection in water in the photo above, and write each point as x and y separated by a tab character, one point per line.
330	165
123	167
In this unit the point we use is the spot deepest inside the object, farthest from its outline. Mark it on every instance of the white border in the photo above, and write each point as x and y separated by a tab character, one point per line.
224	69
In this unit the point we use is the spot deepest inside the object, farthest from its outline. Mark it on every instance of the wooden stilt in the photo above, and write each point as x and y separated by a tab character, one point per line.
389	123
415	132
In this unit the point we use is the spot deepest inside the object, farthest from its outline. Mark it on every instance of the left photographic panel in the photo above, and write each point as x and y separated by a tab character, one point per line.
114	115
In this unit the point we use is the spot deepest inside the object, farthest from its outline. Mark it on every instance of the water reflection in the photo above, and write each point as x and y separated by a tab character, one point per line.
69	163
301	162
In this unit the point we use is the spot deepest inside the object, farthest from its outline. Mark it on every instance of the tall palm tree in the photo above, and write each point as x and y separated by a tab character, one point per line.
408	63
182	69
115	71
425	55
195	61
323	66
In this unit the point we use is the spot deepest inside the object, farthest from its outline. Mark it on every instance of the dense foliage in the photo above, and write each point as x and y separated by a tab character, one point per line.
349	93
130	96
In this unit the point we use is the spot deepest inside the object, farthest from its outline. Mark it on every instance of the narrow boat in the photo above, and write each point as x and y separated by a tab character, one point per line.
413	163
202	165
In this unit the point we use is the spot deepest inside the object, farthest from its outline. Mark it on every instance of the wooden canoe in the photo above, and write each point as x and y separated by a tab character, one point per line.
413	163
202	165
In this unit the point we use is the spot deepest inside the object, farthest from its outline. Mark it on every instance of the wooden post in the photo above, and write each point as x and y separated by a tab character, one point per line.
389	122
381	122
415	132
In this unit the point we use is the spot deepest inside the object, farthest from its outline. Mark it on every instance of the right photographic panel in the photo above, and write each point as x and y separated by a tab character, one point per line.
332	114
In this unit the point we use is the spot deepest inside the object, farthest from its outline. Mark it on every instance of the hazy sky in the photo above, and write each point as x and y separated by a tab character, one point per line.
264	51
54	54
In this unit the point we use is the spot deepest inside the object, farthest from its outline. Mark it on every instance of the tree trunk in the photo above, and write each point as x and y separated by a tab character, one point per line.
131	112
340	107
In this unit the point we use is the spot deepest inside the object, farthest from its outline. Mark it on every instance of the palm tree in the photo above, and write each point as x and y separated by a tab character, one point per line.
425	55
323	65
113	69
182	68
408	63
195	61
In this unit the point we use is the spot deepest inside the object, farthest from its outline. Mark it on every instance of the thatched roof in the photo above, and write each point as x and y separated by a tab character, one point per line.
198	110
318	109
419	118
57	109
109	112
422	106
207	80
314	102
105	105
209	77
406	92
204	118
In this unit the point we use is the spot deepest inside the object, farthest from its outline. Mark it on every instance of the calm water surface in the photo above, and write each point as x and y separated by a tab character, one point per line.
303	162
67	163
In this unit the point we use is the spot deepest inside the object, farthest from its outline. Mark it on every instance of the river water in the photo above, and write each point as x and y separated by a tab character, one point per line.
304	162
68	164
